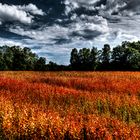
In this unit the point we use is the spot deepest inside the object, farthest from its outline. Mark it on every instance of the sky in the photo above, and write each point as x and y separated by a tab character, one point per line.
52	28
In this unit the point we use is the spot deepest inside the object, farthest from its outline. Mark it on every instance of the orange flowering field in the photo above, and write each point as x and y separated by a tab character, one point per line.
70	105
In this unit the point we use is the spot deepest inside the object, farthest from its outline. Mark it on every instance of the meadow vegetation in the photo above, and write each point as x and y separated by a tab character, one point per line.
70	105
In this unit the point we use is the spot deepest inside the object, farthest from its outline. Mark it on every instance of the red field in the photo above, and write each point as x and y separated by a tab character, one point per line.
70	105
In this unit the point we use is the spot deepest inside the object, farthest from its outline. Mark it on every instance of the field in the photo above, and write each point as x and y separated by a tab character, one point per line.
70	105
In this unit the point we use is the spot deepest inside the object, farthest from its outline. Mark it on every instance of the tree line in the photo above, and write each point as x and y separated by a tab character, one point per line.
17	58
122	57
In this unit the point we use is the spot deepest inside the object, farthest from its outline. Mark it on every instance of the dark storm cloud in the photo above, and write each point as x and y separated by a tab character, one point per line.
132	4
87	34
101	2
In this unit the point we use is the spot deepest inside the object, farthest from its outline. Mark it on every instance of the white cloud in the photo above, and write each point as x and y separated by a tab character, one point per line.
71	5
9	42
82	26
32	9
95	23
18	13
12	13
45	35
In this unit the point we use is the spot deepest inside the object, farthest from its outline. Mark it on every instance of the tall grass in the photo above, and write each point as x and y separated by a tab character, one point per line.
69	105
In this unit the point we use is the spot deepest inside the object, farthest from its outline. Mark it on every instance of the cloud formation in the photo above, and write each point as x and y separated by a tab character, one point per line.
31	8
15	13
52	28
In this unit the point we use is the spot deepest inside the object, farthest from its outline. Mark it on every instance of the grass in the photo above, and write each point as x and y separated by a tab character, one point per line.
69	105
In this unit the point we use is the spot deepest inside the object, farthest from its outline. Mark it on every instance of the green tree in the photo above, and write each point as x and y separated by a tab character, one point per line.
18	58
74	60
84	59
41	64
30	58
94	58
133	59
105	57
8	57
126	57
52	66
2	62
